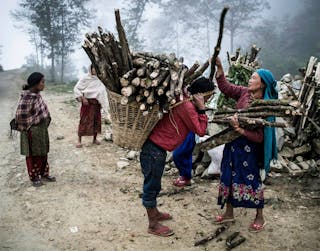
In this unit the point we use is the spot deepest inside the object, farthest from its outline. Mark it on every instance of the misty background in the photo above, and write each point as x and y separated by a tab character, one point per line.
46	35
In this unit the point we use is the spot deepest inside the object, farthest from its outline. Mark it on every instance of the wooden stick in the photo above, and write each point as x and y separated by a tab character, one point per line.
218	139
211	236
218	45
244	121
126	56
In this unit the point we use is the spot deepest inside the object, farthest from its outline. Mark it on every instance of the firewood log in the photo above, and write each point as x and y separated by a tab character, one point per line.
197	73
146	93
150	98
136	81
166	82
141	72
155	73
178	89
161	77
126	100
193	68
138	62
144	106
128	90
126	56
160	90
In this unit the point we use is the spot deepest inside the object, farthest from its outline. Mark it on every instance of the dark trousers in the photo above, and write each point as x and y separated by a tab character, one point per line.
182	156
152	159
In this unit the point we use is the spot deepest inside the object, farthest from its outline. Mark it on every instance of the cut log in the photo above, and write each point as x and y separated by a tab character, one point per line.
136	81
193	68
211	236
221	138
150	98
128	91
178	89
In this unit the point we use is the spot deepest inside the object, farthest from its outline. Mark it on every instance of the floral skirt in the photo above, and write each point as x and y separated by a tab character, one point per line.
240	183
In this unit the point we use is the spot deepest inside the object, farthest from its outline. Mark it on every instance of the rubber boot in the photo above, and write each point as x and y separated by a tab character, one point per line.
154	226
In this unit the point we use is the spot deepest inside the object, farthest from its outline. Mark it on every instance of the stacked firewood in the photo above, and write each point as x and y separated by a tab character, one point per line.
139	76
305	130
250	118
309	97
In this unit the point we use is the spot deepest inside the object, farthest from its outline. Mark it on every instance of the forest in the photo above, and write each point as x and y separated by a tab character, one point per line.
185	27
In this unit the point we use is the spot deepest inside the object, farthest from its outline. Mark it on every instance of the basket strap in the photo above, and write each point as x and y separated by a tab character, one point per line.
208	93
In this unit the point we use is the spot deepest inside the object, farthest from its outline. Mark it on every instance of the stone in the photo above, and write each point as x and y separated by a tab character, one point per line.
299	158
276	166
122	164
108	136
205	174
132	154
60	137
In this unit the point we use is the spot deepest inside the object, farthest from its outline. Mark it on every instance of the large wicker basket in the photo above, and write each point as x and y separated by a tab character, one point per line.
130	126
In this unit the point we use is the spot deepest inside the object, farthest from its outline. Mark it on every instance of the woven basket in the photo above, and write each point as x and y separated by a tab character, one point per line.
130	127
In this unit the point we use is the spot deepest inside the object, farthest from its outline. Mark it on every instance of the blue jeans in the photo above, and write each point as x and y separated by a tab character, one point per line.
182	156
152	160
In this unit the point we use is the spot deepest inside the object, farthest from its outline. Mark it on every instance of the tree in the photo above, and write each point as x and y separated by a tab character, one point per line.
57	24
241	15
287	44
133	19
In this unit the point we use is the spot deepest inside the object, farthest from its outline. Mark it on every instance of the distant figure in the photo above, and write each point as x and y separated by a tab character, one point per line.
92	94
32	120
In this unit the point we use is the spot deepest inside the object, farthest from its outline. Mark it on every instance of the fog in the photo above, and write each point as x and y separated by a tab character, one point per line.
154	32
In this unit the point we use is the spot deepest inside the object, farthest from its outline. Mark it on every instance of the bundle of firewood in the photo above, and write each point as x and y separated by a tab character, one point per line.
144	77
251	118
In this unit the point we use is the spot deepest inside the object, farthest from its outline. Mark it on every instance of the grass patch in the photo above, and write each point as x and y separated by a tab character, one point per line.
72	102
60	88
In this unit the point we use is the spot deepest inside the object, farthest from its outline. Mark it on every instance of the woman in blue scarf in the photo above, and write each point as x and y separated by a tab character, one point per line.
240	183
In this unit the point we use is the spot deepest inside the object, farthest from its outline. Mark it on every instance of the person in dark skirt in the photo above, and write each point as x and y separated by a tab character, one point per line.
240	182
32	120
92	94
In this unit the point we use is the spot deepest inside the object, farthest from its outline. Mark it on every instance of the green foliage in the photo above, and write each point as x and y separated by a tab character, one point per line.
238	74
60	88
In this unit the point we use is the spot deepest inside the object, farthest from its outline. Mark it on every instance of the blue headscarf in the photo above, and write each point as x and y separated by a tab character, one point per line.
270	141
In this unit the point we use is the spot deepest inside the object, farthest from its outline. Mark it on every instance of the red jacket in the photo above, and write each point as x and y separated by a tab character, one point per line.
174	127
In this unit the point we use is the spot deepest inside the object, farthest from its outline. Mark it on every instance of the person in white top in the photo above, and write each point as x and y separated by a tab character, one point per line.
92	94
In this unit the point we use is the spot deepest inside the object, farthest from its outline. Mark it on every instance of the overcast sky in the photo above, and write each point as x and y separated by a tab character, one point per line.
16	45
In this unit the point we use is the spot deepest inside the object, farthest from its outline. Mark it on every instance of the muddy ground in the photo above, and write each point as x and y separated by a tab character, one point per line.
95	205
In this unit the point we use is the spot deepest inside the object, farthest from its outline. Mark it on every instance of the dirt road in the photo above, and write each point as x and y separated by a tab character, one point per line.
95	205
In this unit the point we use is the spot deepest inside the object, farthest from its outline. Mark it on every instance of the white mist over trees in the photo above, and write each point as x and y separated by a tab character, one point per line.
286	30
54	28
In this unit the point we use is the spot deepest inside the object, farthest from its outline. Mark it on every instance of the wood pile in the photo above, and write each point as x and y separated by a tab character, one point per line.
143	77
251	118
299	143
